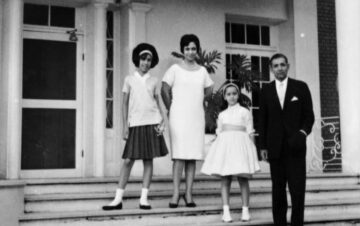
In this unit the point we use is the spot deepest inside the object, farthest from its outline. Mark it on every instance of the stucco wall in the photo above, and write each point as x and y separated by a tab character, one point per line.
12	202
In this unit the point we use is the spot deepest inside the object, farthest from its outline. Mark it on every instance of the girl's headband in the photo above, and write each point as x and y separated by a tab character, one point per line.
228	85
145	51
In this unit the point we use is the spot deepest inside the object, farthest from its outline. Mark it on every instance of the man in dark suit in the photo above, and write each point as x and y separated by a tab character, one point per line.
286	118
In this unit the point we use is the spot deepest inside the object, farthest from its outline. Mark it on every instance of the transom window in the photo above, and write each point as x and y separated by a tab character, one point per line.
49	15
250	34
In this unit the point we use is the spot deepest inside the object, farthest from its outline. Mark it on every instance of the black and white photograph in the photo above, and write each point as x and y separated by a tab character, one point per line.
179	112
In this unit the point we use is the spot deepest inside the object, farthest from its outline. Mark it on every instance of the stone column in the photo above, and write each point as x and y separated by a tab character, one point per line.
12	76
137	27
99	87
348	44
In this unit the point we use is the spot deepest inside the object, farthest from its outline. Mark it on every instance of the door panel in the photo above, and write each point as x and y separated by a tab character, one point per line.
51	106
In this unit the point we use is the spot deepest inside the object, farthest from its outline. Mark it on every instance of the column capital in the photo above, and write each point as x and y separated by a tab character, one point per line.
140	7
101	3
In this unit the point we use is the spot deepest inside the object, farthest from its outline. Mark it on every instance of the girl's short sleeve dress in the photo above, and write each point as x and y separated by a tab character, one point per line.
187	117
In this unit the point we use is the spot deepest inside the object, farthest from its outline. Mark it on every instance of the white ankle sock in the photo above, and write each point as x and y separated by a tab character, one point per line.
118	197
245	213
226	217
144	197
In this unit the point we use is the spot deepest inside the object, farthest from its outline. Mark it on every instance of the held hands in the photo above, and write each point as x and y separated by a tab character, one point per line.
160	128
264	155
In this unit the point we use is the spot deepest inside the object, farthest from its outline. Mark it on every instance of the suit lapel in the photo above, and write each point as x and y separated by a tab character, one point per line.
275	95
288	92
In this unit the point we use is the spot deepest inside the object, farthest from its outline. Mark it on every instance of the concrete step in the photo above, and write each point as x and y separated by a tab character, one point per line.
160	199
345	210
103	185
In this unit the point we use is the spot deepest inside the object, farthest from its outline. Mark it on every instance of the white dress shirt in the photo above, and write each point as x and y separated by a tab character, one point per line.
281	90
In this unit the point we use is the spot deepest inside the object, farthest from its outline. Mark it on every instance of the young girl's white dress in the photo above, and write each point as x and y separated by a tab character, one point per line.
232	152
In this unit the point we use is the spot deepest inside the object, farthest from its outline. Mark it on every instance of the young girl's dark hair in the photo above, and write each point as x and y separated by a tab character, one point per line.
241	100
186	39
145	47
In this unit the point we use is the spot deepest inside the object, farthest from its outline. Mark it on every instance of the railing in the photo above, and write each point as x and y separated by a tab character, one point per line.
324	148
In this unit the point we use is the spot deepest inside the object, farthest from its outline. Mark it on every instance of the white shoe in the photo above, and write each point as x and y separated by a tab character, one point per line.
245	216
226	217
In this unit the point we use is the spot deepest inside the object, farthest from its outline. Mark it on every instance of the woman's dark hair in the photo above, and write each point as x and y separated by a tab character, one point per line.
141	47
186	39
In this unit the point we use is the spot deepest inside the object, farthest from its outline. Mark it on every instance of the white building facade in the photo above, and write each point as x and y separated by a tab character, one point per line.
63	63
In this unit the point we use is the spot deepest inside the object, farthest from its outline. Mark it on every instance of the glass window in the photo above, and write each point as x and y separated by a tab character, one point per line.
265	35
109	116
110	53
255	63
255	95
110	69
265	73
110	24
255	113
47	75
36	14
62	16
255	34
228	62
48	139
238	33
109	88
227	32
252	34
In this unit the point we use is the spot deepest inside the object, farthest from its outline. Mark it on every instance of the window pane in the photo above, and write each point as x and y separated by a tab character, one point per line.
110	24
110	54
256	119
238	33
255	96
109	87
265	35
234	59
255	63
227	32
49	69
265	74
36	14
48	138
228	71
252	34
109	117
62	16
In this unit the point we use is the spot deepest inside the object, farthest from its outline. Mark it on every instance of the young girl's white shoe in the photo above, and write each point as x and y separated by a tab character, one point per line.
226	217
245	216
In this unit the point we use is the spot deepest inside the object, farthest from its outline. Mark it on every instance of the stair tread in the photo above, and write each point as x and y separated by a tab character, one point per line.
180	210
258	176
314	218
165	193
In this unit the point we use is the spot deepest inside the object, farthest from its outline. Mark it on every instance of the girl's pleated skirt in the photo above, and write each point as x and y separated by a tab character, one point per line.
144	143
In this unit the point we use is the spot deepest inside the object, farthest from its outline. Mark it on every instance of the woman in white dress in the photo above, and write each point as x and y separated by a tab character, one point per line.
183	90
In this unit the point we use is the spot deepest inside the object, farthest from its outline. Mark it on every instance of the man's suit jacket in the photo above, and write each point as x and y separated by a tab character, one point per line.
277	125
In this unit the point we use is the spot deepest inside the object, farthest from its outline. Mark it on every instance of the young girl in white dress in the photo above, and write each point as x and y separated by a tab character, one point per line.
143	124
233	152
